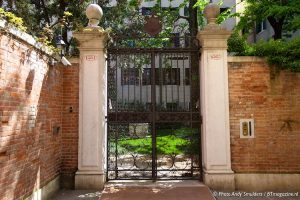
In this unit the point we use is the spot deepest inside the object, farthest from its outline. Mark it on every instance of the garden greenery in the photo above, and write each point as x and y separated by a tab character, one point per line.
281	53
284	17
180	141
12	19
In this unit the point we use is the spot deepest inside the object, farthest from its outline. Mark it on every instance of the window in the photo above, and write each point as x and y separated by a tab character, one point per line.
171	106
223	9
187	76
170	9
146	76
146	11
171	76
176	40
130	77
261	26
186	11
162	76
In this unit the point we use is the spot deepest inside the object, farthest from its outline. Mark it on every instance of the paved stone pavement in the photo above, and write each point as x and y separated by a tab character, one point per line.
256	195
157	193
95	195
77	194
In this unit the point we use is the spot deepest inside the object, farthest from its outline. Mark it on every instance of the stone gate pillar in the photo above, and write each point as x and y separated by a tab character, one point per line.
92	103
215	103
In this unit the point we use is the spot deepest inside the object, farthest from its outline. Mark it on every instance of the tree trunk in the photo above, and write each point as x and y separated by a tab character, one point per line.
46	15
277	25
193	18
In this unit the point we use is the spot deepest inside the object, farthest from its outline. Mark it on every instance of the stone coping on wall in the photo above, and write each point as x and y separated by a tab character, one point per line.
25	37
245	59
74	60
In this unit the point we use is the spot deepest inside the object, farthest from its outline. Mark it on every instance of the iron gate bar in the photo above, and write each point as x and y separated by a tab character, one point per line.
192	116
150	50
153	100
120	119
133	42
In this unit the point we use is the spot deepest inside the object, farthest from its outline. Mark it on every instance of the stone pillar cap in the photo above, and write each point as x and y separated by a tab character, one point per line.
94	13
211	12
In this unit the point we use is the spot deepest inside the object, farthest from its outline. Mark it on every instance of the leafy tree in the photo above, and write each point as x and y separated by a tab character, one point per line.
126	19
283	54
283	15
46	18
226	14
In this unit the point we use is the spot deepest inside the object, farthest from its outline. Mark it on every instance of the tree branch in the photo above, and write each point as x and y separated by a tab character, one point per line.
47	18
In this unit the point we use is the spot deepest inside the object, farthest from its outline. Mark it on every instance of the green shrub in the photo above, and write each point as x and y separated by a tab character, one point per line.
238	45
283	54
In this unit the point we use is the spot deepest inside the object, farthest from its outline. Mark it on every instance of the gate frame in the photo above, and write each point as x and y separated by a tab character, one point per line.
217	170
160	51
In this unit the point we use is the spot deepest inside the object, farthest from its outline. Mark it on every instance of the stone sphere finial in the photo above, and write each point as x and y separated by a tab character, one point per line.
94	13
211	12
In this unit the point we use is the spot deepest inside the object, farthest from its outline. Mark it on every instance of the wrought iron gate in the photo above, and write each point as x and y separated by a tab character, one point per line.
153	109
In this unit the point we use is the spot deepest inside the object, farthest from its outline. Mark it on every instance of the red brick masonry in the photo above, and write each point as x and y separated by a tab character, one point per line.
31	104
36	99
273	100
70	123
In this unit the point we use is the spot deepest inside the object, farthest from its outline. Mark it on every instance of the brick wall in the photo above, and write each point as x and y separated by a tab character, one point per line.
35	97
273	100
31	102
70	125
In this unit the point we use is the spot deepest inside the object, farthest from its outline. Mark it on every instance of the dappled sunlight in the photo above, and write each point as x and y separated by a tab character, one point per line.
37	195
112	190
166	190
90	195
28	109
156	190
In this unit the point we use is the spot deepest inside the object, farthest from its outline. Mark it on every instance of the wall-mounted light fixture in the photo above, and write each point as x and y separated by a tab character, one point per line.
61	45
